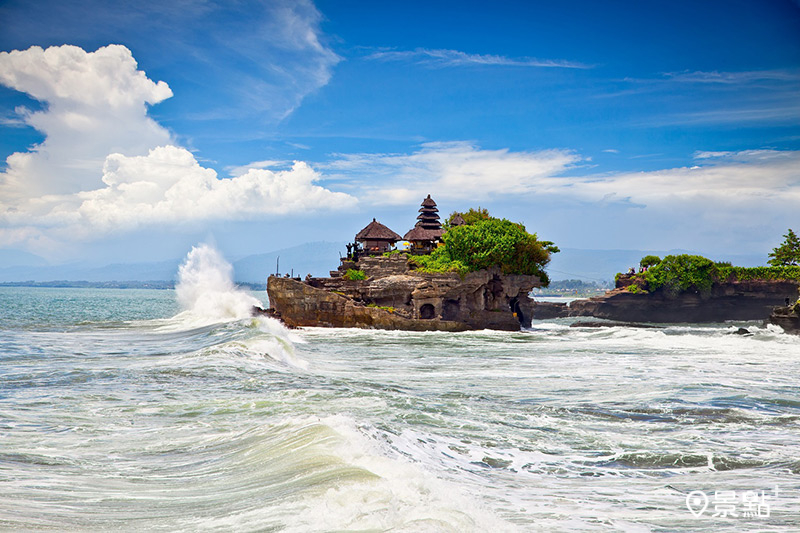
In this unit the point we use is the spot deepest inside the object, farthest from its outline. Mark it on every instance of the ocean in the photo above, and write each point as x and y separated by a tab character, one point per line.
161	410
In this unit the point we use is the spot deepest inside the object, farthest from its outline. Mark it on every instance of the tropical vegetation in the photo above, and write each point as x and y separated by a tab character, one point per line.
484	242
354	275
680	273
788	253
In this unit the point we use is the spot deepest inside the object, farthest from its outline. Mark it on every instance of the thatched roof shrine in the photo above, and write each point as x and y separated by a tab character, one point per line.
375	231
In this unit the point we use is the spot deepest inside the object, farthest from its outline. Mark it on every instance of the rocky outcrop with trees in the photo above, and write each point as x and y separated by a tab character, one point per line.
477	275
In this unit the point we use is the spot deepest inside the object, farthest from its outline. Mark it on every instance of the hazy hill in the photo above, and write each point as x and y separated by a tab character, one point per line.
315	258
318	258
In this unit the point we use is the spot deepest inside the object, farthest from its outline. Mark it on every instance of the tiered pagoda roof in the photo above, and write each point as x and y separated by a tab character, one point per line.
428	227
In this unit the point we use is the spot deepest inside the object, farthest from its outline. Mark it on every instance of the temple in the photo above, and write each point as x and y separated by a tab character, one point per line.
375	289
428	231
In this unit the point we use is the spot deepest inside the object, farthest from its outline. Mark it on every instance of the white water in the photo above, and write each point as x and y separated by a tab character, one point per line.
206	290
209	419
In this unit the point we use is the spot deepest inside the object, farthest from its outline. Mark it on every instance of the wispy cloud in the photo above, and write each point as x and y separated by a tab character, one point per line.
780	113
715	97
450	170
721	200
746	77
455	58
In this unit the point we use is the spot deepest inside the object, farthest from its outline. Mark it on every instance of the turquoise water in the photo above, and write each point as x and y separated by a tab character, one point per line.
154	410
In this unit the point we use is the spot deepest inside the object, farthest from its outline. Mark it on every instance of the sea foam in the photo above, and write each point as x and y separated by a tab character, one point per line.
206	290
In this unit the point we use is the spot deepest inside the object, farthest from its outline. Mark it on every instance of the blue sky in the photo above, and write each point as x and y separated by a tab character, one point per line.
130	133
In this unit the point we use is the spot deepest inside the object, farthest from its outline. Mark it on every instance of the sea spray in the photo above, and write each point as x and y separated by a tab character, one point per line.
205	287
206	292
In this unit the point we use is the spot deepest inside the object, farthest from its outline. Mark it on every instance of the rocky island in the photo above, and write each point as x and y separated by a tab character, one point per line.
686	289
473	273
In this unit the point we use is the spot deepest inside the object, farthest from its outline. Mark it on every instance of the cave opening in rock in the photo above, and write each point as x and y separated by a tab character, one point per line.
427	312
517	310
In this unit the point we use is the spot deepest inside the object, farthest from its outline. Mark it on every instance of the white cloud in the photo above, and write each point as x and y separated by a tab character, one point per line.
95	104
105	166
734	186
457	170
726	185
723	201
284	53
456	58
168	186
736	78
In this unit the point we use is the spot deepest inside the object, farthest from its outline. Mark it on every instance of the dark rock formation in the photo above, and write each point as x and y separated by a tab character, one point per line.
394	297
739	300
546	310
787	317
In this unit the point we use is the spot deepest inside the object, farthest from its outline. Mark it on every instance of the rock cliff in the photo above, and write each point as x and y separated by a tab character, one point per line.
394	297
787	317
739	300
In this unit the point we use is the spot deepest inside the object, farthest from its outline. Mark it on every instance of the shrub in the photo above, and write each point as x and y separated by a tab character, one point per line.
438	261
354	275
733	273
394	252
679	273
387	308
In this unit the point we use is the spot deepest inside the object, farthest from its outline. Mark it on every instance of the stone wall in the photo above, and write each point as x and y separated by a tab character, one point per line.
378	267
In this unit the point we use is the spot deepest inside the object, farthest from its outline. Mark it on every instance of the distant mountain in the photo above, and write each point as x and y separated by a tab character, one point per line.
318	258
164	270
19	258
315	258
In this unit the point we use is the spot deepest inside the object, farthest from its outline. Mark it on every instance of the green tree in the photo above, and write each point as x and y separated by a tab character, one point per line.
471	217
788	253
501	243
649	260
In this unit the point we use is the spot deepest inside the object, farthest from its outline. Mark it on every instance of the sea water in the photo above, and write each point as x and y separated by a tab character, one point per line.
147	410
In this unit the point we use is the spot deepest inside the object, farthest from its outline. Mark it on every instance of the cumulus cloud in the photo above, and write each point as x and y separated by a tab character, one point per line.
95	104
169	186
106	166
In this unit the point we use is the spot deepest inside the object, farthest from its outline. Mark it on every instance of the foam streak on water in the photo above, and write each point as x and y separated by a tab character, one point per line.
115	419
